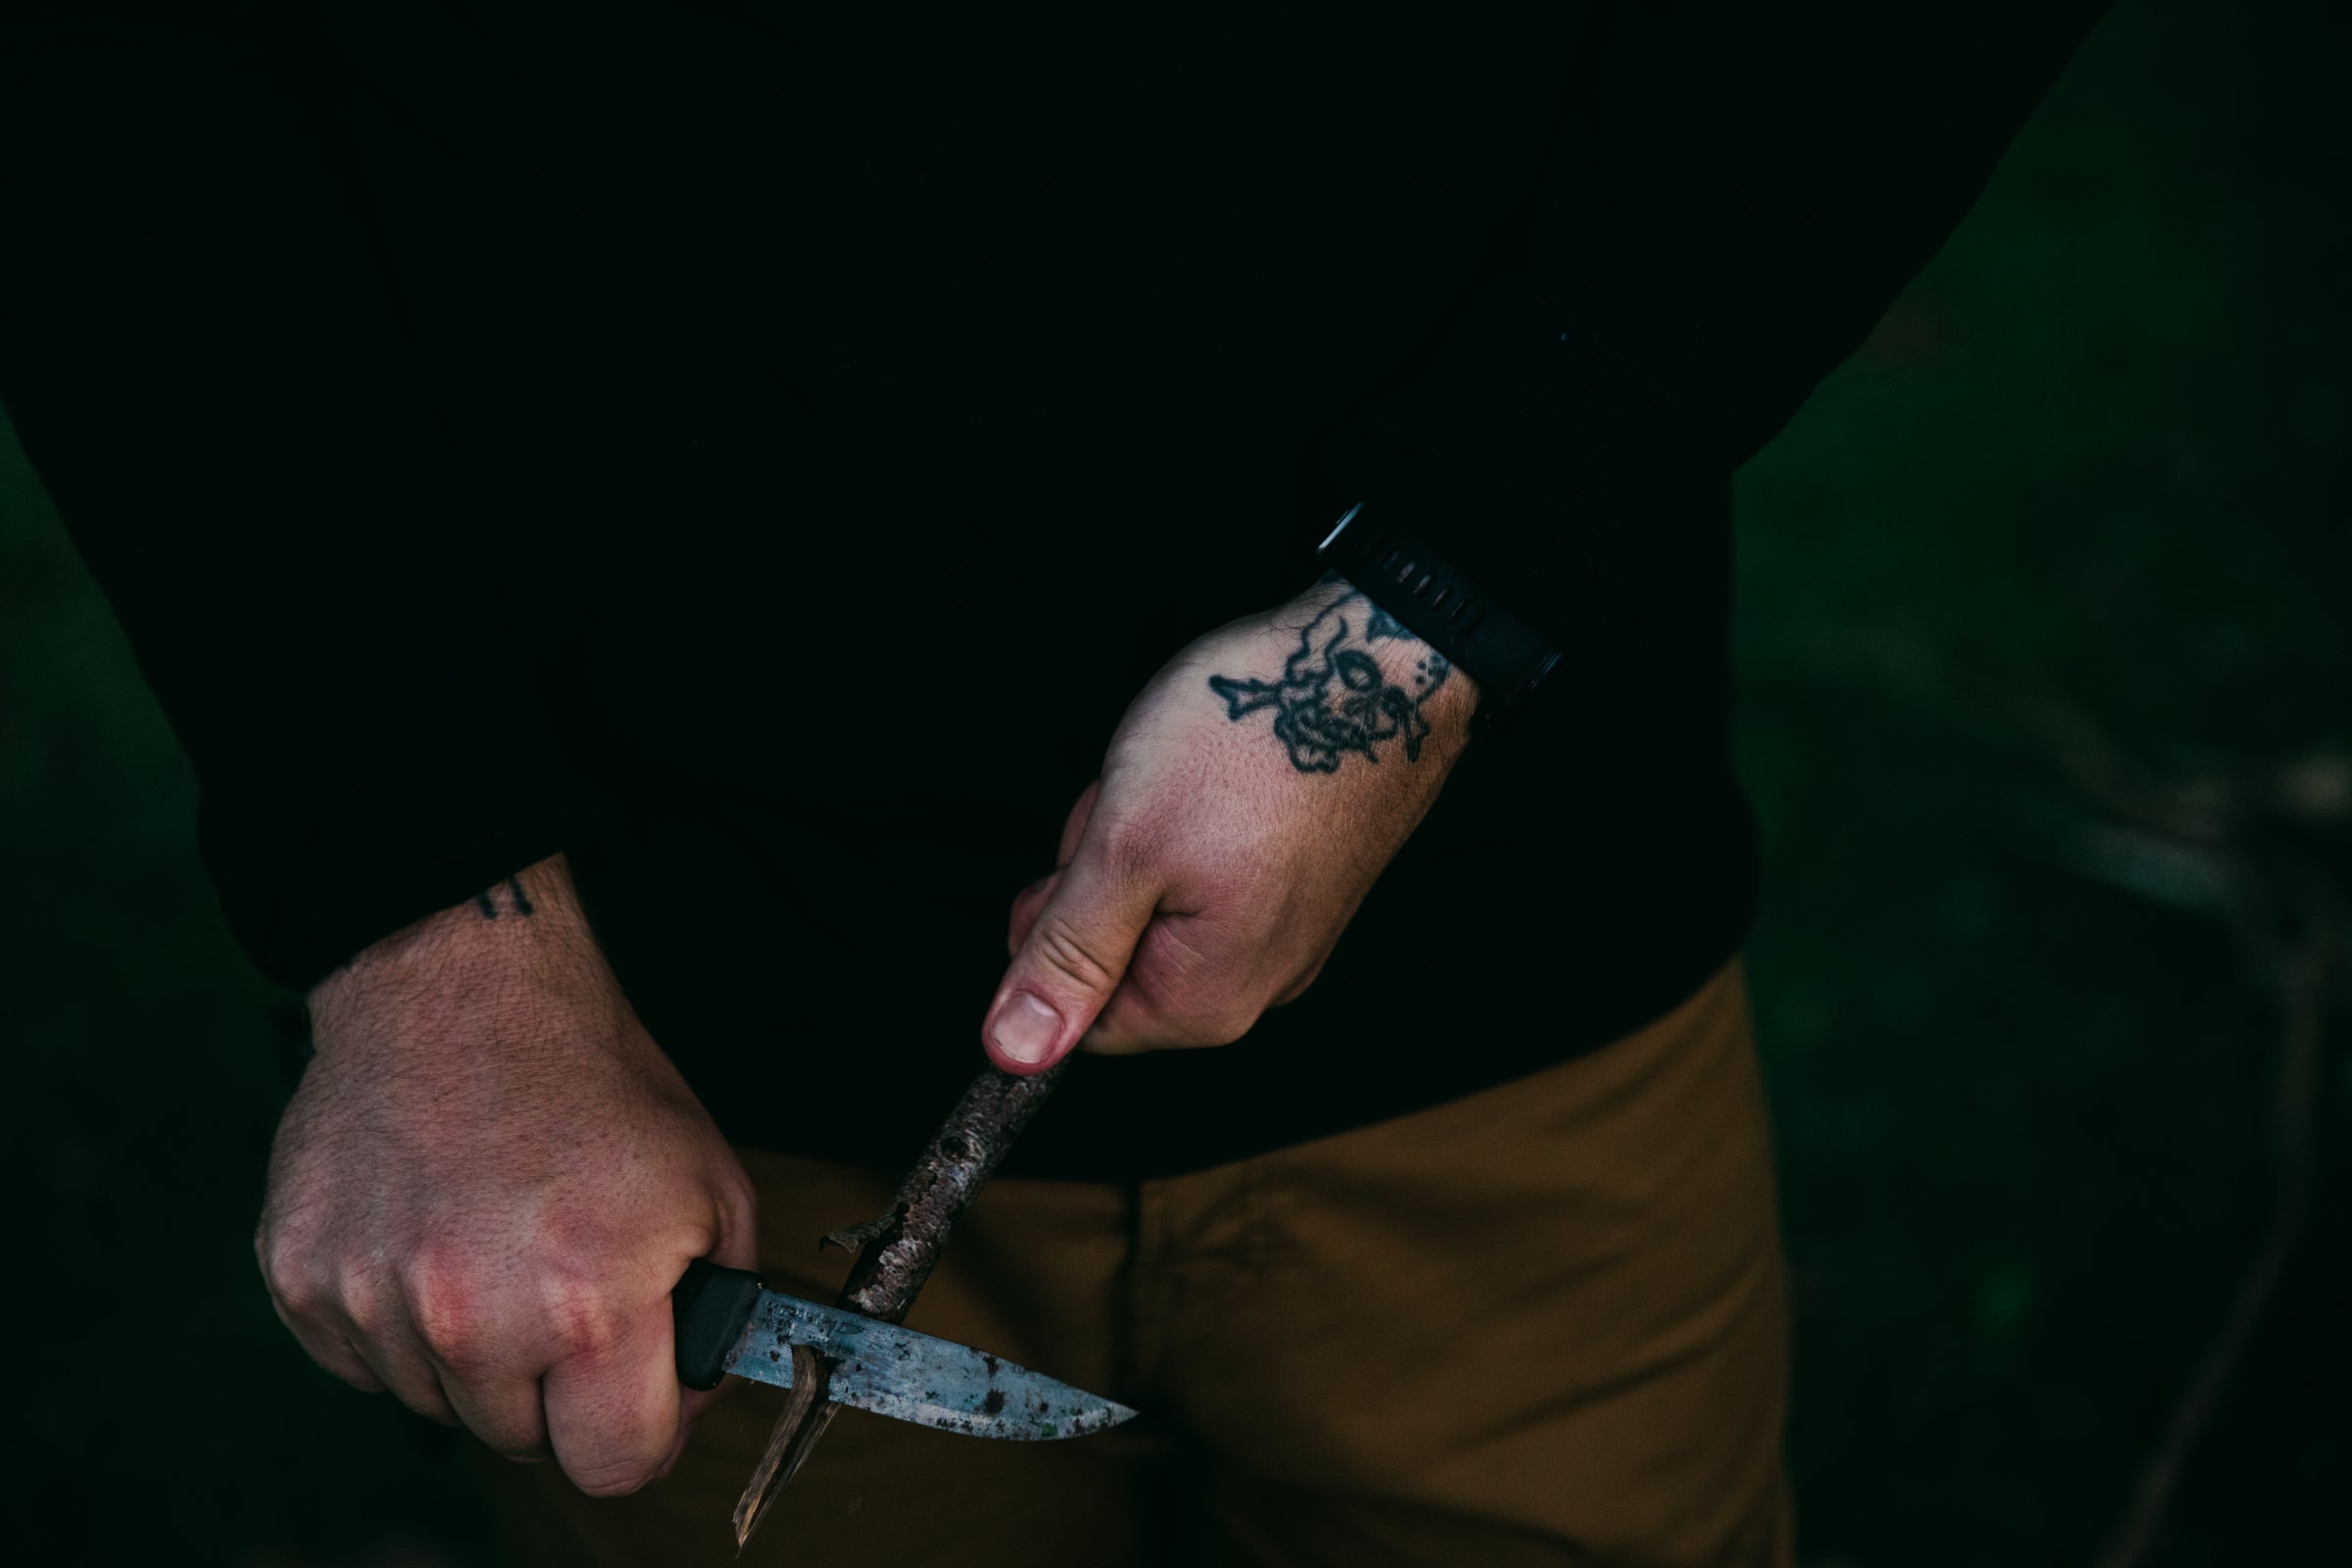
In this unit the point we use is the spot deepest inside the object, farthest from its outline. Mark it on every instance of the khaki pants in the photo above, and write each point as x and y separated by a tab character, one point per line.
1542	1325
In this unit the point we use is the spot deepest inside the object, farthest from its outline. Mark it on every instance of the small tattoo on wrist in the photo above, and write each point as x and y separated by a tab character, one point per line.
517	902
1335	697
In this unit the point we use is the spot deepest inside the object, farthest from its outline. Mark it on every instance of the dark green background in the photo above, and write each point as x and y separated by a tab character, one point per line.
2098	451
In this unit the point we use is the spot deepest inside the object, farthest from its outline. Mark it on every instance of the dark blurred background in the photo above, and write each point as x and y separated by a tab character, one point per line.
2048	713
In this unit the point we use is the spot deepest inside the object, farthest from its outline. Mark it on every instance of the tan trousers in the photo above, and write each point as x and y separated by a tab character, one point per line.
1543	1325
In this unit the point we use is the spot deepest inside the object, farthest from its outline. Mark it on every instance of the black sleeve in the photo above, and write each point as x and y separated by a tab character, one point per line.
1755	187
214	383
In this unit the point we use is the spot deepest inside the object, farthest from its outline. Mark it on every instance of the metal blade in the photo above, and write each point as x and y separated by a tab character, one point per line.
914	1377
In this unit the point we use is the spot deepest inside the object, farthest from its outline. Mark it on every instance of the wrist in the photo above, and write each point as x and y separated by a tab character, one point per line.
1449	702
1416	587
1337	676
521	936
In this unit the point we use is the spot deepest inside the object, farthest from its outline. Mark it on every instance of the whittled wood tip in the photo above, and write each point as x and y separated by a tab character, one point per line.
805	1416
899	1250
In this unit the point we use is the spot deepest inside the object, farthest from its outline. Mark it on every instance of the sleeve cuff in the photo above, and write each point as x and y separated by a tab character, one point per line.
403	807
1613	589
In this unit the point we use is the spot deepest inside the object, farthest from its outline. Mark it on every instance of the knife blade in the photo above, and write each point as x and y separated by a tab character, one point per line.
728	1321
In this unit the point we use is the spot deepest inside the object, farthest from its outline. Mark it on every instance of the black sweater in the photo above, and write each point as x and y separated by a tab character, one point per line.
759	450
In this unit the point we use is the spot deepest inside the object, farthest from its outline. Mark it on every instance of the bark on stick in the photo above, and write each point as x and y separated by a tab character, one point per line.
898	1254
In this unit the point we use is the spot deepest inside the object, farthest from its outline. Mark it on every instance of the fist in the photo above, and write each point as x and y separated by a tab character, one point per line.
489	1181
1252	794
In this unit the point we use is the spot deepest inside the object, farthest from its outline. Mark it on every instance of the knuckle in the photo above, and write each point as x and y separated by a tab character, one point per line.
447	1307
369	1299
519	1447
1123	845
350	1373
369	1314
294	1273
285	1270
583	1322
611	1478
1067	953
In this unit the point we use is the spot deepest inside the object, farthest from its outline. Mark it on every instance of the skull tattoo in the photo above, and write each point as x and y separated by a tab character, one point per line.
1334	697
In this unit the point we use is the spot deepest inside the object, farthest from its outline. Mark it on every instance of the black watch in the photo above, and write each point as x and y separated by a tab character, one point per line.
1429	598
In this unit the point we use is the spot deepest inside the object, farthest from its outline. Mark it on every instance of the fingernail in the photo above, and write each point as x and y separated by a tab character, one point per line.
1025	1029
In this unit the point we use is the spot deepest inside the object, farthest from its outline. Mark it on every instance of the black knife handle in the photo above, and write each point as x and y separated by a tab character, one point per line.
708	1310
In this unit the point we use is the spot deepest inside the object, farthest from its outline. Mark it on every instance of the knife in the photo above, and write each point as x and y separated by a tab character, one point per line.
895	1253
727	1321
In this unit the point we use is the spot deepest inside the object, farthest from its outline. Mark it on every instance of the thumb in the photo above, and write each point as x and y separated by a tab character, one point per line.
1031	900
1071	961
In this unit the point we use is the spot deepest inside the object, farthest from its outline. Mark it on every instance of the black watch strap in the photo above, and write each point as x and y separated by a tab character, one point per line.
1437	604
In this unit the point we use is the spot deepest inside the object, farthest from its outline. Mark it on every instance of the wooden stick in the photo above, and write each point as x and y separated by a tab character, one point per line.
898	1254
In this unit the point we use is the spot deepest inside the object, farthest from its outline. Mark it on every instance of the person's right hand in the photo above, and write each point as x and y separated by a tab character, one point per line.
489	1181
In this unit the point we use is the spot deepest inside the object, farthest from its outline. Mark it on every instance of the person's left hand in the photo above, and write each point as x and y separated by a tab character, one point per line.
1254	792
